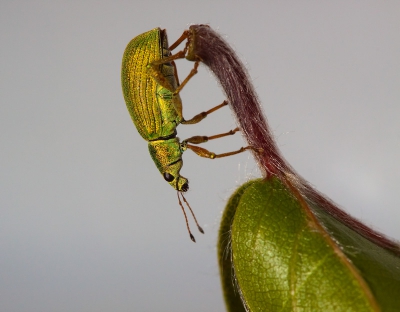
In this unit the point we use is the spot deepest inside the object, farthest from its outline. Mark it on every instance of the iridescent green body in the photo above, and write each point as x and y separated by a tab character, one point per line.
151	90
155	110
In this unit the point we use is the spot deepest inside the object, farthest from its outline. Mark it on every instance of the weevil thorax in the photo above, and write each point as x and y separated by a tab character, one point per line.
167	155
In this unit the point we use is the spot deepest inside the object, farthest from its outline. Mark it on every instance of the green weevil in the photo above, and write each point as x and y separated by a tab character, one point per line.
151	90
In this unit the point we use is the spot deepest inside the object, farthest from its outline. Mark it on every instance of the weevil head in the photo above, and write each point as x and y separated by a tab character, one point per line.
167	155
172	176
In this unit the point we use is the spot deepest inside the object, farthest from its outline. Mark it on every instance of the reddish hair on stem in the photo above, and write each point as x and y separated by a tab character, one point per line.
206	45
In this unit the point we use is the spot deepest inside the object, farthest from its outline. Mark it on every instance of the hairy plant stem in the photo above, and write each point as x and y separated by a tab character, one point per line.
213	51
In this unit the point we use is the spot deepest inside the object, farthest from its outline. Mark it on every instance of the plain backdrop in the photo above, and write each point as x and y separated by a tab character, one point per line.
87	223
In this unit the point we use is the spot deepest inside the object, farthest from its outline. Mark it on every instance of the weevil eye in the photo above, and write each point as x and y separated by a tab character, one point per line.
168	177
185	187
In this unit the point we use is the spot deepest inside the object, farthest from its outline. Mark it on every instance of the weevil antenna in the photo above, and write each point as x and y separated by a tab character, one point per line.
187	223
194	217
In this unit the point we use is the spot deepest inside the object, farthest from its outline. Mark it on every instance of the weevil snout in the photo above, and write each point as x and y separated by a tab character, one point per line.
179	183
185	187
182	184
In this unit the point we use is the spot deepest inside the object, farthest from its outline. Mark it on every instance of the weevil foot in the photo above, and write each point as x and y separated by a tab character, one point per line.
258	150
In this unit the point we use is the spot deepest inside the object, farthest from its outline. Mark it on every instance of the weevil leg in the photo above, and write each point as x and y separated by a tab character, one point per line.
175	71
202	115
198	139
184	82
153	69
168	59
184	36
207	154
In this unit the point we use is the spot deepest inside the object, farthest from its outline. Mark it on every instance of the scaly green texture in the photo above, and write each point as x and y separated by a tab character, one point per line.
154	108
285	260
149	99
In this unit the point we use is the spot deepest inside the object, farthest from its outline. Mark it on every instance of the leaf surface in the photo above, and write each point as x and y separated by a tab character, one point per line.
286	259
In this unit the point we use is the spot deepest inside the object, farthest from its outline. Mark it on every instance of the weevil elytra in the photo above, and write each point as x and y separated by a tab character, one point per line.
151	89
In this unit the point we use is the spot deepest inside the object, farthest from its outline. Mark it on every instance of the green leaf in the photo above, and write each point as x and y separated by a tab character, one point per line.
287	259
231	295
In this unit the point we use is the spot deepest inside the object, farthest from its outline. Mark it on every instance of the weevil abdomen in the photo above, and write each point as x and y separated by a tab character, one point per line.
154	109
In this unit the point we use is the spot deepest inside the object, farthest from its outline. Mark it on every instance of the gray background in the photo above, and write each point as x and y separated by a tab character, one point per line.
86	221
